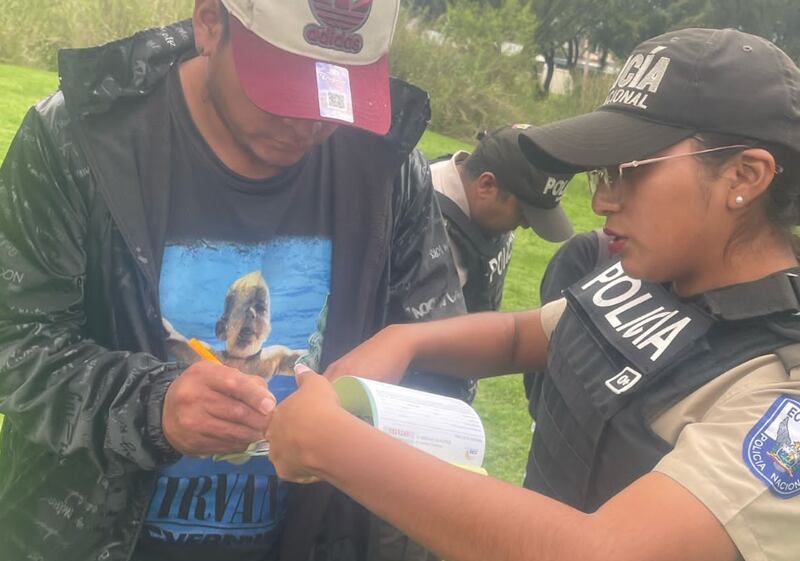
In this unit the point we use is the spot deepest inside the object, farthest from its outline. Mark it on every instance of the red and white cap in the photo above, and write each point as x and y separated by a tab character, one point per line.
316	59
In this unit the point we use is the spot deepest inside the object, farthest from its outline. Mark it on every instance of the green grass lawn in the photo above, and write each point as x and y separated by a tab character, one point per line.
501	401
21	87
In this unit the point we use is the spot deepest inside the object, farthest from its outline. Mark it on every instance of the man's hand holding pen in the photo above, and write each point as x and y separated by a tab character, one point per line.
214	409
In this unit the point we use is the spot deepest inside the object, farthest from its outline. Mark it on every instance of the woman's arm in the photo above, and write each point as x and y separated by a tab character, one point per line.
470	346
467	517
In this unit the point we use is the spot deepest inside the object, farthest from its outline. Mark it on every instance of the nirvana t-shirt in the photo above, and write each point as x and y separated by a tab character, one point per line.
246	271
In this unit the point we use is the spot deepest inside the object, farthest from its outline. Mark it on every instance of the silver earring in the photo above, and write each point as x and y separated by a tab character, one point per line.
739	199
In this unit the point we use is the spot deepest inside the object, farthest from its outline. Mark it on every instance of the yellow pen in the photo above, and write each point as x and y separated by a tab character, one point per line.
203	351
258	448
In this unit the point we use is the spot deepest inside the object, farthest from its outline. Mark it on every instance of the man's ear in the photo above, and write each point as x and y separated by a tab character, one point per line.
486	185
751	174
209	26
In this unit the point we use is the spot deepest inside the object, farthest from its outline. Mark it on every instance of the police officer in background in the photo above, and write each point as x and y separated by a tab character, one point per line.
668	422
484	197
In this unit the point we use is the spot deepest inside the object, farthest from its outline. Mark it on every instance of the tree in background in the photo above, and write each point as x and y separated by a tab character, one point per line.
616	26
560	25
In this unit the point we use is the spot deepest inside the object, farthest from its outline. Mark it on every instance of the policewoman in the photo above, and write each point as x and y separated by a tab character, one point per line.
668	423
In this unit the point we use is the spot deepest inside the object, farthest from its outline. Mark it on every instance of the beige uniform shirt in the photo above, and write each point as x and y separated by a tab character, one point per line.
716	433
447	181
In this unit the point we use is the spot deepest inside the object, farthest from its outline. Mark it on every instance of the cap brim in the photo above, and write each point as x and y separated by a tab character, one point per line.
549	224
285	84
597	139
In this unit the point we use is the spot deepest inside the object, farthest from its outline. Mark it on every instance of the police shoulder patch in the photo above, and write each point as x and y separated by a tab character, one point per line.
772	448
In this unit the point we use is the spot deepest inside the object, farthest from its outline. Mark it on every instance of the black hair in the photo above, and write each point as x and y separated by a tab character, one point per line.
474	165
783	195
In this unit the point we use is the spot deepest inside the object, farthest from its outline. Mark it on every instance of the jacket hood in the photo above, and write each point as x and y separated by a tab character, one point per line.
92	79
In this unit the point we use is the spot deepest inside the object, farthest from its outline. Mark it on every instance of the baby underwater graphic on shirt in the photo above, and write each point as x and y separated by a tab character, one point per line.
256	308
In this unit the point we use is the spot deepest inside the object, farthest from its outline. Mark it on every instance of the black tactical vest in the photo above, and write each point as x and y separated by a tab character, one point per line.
625	350
485	259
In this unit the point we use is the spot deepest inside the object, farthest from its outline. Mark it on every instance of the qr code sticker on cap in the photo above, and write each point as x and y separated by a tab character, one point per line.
333	86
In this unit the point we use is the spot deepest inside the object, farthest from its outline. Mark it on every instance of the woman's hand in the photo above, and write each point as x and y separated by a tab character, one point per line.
302	425
384	357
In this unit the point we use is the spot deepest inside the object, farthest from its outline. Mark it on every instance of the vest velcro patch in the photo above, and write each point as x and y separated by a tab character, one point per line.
772	448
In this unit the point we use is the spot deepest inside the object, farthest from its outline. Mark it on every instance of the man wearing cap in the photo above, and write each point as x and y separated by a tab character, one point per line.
484	196
245	180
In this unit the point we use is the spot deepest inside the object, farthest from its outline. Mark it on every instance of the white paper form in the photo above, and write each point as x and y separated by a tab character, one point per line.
442	426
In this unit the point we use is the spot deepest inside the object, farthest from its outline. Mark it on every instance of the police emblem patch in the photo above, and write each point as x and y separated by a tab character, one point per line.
772	448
